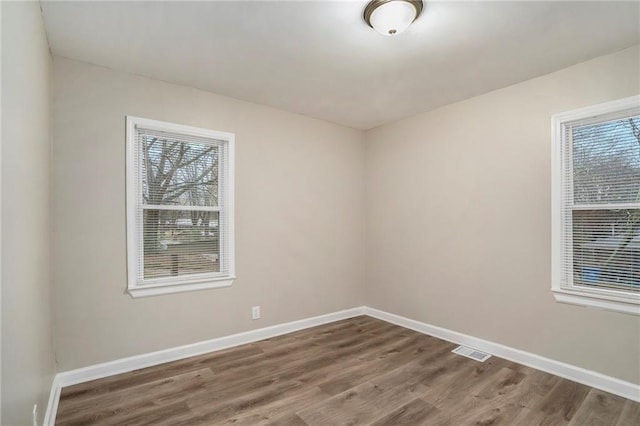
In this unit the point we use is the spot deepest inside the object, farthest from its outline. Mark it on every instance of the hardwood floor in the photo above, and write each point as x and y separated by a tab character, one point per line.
360	371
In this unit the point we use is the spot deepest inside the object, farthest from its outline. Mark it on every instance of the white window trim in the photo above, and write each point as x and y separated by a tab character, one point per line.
186	283
609	299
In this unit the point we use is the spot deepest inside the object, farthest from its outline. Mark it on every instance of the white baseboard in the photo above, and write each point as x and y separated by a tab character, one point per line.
577	374
124	365
52	405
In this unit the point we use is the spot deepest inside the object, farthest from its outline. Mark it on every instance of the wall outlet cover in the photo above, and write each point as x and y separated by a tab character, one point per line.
35	414
255	312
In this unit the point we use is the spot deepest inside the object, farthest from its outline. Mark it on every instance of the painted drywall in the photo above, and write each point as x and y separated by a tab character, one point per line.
459	219
299	217
28	363
469	184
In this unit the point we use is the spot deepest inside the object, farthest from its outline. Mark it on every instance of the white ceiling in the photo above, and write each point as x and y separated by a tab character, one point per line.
319	58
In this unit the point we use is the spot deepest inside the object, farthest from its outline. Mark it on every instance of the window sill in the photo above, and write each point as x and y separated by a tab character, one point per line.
160	289
596	301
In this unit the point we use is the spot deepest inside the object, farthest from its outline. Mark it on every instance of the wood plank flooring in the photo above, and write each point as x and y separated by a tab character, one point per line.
360	371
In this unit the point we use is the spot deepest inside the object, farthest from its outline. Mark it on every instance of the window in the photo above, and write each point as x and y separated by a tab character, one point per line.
596	206
179	208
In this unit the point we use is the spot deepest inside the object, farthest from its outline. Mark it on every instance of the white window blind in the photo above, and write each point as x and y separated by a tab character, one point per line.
599	229
179	207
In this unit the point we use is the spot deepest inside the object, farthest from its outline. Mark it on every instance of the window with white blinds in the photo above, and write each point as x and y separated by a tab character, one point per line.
179	207
596	206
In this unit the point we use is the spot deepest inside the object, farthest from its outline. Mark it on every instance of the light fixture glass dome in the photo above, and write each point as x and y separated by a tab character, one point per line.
391	17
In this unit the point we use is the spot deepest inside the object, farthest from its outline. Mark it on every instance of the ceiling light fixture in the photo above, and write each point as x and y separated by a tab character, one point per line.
391	17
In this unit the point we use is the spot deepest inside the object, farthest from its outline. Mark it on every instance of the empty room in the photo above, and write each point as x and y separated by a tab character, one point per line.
368	212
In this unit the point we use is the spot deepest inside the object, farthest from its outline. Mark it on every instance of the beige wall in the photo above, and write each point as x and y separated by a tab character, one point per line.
469	184
299	217
458	219
27	348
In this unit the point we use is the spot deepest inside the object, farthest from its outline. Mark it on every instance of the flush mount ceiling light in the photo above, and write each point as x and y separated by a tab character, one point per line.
391	17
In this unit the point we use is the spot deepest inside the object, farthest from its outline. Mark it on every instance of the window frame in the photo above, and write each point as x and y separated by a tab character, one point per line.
167	285
610	299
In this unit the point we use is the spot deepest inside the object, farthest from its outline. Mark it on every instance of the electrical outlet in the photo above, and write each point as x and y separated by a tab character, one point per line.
35	414
255	312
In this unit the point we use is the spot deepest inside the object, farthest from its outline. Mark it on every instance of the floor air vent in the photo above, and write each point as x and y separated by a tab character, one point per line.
471	353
